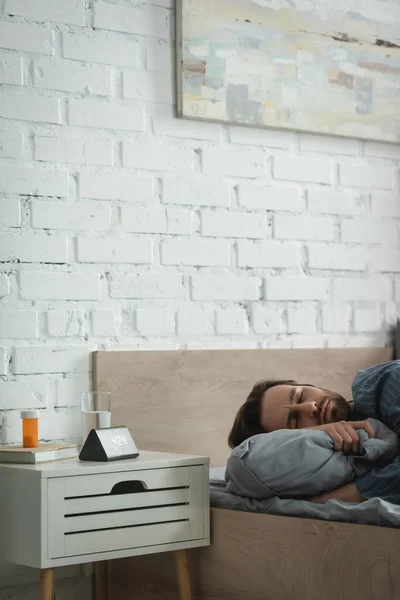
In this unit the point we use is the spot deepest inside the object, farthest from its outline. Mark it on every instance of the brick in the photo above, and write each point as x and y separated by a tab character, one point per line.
385	205
196	192
334	203
73	150
302	169
193	322
235	164
149	87
367	341
69	390
155	322
143	19
11	70
51	359
160	55
222	345
268	254
182	128
197	253
342	258
3	361
297	288
367	175
71	12
336	318
33	182
331	145
18	324
72	78
28	247
128	188
236	225
59	286
157	158
304	228
115	250
11	143
360	289
231	322
121	117
65	323
97	48
24	107
251	136
386	261
397	290
265	197
10	212
4	285
146	285
156	220
103	323
76	216
366	320
266	320
225	287
382	150
26	38
365	231
301	320
24	394
304	341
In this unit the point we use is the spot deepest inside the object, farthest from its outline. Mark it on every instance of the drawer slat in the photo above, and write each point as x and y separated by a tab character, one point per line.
119	539
102	484
118	502
125	518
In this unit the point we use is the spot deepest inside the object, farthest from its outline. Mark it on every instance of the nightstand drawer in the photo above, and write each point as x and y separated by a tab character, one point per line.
129	509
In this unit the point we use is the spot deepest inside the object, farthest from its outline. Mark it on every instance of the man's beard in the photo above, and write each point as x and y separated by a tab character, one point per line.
338	409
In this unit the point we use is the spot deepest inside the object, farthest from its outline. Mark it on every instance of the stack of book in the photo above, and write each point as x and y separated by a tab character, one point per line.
43	453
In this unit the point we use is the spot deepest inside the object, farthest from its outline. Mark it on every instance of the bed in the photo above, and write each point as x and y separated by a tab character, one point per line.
185	401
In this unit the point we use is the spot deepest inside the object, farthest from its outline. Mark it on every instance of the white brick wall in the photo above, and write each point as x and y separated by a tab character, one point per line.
11	144
10	212
65	323
122	225
231	322
72	78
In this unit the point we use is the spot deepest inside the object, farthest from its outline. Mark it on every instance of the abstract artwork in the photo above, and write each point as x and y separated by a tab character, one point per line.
324	66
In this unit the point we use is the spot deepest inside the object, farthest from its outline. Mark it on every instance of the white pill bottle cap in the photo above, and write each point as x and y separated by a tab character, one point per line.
29	414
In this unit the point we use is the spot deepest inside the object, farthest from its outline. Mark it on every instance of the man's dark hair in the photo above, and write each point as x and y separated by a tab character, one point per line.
247	421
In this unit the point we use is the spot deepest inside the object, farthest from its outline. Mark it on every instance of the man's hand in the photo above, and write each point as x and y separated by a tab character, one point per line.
346	493
344	436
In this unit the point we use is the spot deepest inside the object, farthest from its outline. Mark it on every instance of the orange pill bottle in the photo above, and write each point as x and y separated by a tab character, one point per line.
30	428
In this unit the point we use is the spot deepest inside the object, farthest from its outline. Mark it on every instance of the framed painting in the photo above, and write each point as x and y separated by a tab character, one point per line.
292	64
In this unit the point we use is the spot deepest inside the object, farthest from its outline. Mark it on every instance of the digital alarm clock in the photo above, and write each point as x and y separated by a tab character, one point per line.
111	443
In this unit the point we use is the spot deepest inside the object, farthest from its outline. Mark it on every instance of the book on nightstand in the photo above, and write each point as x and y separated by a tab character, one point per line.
43	453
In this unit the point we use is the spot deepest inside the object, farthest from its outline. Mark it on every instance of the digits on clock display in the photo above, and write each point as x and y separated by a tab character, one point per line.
120	440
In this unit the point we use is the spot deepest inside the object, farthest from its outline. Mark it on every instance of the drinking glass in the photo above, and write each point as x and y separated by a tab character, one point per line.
96	411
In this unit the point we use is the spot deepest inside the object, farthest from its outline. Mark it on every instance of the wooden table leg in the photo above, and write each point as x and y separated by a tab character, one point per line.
182	573
101	580
46	584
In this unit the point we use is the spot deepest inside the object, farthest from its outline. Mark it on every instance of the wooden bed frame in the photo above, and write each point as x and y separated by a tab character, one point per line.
185	401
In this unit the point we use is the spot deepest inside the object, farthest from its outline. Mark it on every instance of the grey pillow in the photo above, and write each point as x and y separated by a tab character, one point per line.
302	462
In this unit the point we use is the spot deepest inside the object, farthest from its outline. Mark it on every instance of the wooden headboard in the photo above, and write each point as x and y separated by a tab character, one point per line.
185	401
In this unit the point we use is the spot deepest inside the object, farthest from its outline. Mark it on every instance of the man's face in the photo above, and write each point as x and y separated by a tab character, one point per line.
300	406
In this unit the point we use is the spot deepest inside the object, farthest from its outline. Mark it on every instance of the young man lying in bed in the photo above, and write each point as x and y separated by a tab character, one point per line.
276	405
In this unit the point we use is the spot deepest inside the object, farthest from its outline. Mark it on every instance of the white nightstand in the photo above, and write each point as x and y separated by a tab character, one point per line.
70	512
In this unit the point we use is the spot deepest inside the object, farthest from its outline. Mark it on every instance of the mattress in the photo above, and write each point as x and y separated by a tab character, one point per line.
371	512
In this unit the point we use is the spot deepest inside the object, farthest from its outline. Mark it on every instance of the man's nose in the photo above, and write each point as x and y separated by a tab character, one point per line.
310	409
